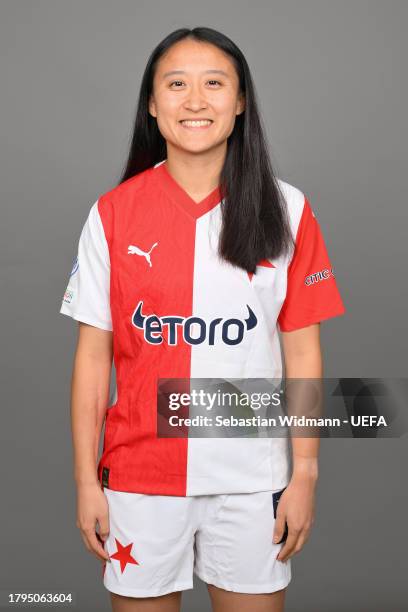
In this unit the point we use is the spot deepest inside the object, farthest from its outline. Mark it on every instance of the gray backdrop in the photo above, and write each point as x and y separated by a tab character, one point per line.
333	94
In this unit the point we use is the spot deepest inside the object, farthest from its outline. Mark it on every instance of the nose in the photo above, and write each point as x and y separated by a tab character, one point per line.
195	99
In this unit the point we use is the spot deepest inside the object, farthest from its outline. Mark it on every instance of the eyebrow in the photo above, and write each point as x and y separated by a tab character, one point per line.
166	74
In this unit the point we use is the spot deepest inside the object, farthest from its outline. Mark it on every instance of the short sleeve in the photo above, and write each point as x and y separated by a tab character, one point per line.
312	294
87	296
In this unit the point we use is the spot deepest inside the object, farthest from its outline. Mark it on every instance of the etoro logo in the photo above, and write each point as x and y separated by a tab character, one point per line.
231	331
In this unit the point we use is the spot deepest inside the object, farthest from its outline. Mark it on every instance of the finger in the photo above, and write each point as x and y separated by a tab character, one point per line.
87	544
279	528
103	522
301	538
85	541
288	546
95	546
103	543
298	547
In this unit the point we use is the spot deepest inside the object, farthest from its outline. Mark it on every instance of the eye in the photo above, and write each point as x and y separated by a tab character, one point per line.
181	82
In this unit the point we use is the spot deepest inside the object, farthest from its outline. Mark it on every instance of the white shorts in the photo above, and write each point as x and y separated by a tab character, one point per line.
156	542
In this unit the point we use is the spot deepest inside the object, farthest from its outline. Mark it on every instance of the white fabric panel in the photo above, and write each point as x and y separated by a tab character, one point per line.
87	294
224	291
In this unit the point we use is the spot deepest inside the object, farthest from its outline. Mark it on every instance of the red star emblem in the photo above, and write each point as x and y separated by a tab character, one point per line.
123	555
265	263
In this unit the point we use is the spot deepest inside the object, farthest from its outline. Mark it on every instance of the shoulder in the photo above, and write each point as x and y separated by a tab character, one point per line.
115	206
296	203
294	197
127	191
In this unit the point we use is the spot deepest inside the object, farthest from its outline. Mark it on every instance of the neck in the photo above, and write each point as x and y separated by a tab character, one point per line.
198	174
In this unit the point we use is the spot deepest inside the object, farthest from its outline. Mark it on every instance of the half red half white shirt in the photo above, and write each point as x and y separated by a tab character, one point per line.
147	269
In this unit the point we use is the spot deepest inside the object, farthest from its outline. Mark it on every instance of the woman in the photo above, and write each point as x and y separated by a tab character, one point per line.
188	268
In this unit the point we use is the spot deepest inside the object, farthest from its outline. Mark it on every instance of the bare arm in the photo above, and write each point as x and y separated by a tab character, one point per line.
89	400
303	359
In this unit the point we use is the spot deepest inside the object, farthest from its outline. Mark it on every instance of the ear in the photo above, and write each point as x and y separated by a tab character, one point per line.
240	104
152	106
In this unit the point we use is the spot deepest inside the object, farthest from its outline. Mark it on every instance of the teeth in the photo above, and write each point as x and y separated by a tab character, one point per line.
196	123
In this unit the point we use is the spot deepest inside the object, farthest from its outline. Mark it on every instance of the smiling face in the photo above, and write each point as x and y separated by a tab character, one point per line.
195	96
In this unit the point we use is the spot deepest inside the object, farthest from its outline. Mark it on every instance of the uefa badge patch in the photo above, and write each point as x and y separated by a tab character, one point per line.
68	295
75	266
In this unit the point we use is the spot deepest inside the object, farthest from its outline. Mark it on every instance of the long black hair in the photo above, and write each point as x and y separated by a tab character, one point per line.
255	223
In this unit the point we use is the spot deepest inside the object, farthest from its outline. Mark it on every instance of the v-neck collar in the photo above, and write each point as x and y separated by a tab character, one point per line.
177	193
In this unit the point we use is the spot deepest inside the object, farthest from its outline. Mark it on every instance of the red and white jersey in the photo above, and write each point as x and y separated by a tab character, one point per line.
147	248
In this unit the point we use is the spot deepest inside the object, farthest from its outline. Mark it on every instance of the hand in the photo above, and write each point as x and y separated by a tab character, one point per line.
296	508
92	508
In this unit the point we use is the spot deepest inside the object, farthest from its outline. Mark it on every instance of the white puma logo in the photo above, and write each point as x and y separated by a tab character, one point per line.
134	250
